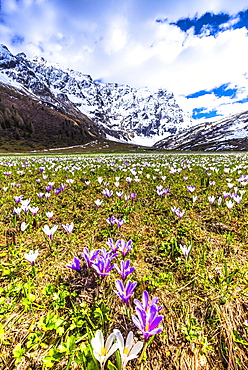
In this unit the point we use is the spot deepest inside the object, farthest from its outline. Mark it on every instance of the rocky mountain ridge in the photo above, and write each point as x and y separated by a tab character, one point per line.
132	115
229	133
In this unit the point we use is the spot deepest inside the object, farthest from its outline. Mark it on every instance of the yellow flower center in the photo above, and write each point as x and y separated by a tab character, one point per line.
126	351
147	326
103	351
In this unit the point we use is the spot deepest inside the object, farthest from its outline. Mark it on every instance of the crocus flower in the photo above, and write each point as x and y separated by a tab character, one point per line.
75	264
103	351
124	246
185	250
103	265
31	256
68	228
17	211
211	199
34	210
133	195
18	198
124	269
40	195
90	256
125	292
194	198
119	193
129	350
49	215
49	231
226	194
114	246
111	220
48	187
119	222
107	192
63	186
147	302
98	202
24	226
177	212
148	322
219	201
25	205
229	204
191	188
57	191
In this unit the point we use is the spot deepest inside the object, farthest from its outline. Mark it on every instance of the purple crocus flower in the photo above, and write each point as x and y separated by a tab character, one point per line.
119	222
90	256
124	246
68	228
18	198
147	302
57	191
177	212
191	188
114	247
103	253
107	192
133	195
75	264
48	187
124	269
103	265
111	220
148	321
125	292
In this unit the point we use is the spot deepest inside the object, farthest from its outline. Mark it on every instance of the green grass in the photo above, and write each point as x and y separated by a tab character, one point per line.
49	313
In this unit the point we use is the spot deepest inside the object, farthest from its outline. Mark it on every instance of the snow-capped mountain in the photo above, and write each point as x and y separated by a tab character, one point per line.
134	115
230	133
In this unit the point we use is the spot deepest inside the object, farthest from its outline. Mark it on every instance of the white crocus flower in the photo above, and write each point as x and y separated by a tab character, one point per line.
103	352
129	351
185	250
229	204
24	226
98	202
31	256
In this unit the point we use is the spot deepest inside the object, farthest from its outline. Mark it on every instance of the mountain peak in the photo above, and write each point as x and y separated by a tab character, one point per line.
133	115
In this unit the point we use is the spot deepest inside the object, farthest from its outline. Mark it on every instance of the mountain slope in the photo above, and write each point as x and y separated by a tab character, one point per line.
26	123
230	133
128	114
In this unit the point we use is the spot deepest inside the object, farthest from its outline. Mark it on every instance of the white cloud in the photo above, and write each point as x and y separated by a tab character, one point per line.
122	42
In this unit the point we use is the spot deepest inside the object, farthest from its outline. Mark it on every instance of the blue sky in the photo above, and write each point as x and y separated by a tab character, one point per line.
196	49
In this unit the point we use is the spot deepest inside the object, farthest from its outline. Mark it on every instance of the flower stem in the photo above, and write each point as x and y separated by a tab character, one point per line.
143	353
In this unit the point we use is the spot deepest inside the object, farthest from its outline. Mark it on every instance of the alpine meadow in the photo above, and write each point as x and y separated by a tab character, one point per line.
124	261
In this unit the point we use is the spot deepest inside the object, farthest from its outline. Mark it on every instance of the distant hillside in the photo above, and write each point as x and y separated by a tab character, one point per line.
229	133
28	124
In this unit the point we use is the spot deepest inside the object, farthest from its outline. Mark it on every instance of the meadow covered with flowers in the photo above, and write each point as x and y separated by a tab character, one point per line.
124	261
